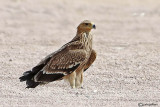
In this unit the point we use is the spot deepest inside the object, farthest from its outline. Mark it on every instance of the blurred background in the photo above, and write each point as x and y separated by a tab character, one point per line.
127	37
28	21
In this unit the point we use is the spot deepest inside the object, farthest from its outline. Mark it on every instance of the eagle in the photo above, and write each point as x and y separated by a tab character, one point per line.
68	63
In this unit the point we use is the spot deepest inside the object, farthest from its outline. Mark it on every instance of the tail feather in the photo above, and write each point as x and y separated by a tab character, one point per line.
27	72
32	84
28	77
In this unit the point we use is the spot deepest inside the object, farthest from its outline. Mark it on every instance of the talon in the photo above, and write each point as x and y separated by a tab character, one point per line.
82	87
73	87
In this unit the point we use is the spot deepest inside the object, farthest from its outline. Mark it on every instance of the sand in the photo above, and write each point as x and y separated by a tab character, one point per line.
126	72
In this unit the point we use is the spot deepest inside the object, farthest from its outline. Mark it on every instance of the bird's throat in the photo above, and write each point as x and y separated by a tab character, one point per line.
86	40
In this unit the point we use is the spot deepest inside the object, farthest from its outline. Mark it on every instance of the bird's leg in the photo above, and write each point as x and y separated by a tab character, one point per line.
71	79
79	79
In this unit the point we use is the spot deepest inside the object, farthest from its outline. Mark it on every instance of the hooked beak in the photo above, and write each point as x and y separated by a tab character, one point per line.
94	26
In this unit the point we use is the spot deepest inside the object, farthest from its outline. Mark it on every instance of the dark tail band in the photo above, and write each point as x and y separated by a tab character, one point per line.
28	77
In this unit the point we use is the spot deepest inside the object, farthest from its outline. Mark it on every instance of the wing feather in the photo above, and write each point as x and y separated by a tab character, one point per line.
63	62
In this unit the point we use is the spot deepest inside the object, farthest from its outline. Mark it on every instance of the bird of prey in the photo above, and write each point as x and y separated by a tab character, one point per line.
69	62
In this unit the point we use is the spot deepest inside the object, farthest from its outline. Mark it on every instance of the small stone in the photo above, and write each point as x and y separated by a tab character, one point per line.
142	14
77	93
10	59
88	96
95	91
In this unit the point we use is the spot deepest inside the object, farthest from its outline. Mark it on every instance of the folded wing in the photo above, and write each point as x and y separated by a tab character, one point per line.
62	63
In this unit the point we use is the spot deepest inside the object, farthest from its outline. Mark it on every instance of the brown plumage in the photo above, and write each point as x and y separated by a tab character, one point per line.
67	63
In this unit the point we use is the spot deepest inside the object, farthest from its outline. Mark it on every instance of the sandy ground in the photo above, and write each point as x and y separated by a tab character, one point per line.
126	72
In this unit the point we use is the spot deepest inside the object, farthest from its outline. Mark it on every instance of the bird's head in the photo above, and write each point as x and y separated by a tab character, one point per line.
86	26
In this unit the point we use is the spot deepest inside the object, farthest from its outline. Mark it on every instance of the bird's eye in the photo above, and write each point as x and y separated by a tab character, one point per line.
86	24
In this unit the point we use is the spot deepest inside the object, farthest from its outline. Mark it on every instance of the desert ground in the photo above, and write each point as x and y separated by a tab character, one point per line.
126	72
